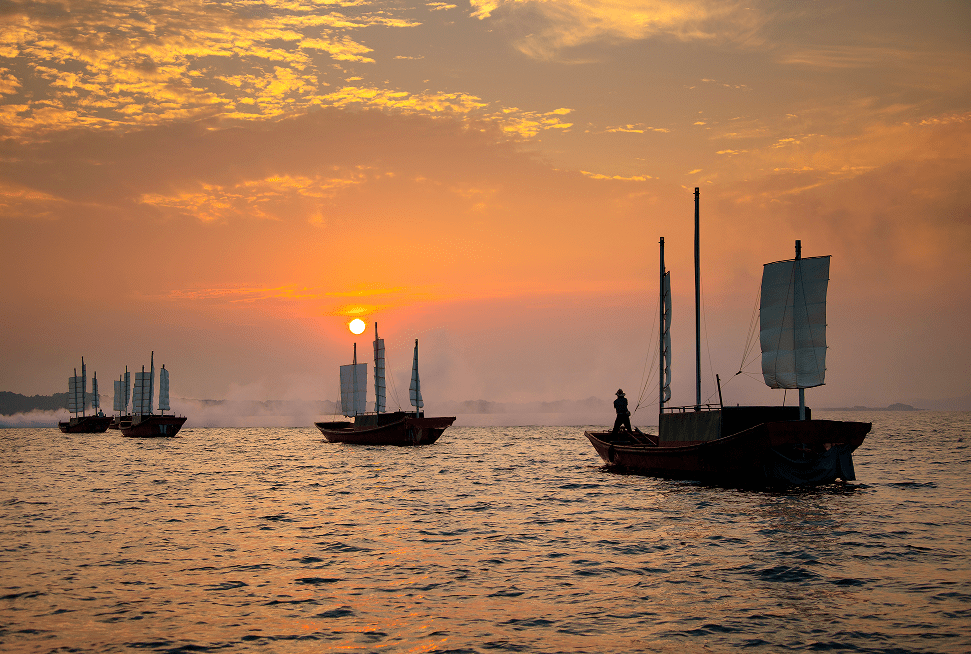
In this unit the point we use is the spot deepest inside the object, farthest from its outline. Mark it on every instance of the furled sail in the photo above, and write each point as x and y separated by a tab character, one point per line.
380	389
353	389
666	339
95	397
415	389
793	322
163	390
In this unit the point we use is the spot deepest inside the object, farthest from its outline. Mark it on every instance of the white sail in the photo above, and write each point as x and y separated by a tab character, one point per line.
119	400
666	339
793	322
353	389
141	403
128	393
414	390
380	389
95	397
163	390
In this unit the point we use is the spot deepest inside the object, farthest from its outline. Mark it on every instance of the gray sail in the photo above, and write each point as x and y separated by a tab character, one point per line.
95	397
666	339
793	322
414	391
142	394
163	390
119	402
380	388
353	389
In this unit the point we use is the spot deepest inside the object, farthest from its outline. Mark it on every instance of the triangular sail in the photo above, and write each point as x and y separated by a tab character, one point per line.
793	322
414	390
380	388
163	390
353	389
666	338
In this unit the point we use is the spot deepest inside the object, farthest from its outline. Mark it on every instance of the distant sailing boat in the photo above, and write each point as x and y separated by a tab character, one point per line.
144	423
121	401
775	445
76	400
380	427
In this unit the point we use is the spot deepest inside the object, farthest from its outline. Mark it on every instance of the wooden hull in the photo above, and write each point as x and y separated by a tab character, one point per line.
117	422
153	426
86	425
401	431
787	453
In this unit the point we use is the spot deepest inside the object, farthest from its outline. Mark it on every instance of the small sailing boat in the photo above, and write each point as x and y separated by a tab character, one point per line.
144	423
750	445
121	401
380	427
76	401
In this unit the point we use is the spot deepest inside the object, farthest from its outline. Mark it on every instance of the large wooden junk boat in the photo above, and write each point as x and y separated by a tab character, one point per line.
380	427
749	445
79	423
144	423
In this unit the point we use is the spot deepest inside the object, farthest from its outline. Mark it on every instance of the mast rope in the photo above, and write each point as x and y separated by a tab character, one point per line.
750	338
647	373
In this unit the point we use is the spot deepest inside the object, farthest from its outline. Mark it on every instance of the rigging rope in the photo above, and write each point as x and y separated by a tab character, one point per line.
647	377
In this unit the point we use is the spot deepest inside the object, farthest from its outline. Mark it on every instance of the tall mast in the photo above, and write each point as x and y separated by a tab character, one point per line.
660	384
151	385
84	384
802	391
697	302
417	408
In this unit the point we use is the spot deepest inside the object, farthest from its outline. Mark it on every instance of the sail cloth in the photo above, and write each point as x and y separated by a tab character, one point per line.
353	389
95	397
380	389
414	390
119	396
75	393
163	390
666	339
793	322
141	403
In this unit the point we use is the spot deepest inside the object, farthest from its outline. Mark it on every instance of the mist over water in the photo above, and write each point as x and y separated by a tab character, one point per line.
493	539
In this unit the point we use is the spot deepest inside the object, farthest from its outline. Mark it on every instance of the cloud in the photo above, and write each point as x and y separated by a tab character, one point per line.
552	28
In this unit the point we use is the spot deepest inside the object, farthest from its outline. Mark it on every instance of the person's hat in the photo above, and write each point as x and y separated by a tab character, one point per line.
620	391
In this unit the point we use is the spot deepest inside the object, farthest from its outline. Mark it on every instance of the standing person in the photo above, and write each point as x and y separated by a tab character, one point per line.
623	414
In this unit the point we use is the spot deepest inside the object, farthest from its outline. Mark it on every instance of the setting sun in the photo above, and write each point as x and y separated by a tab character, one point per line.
357	326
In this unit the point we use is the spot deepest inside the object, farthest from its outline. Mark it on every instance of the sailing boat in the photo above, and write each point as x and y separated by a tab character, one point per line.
750	445
144	423
380	427
121	401
76	400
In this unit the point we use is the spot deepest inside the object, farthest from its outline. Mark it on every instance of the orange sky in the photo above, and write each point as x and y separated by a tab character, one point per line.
228	183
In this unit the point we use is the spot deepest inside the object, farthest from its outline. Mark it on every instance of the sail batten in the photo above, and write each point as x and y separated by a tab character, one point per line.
163	390
666	339
353	389
793	322
380	388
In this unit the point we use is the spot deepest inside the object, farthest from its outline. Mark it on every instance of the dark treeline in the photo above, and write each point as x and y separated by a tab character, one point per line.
11	403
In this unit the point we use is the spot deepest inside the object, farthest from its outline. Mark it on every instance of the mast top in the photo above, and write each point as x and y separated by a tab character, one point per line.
798	249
